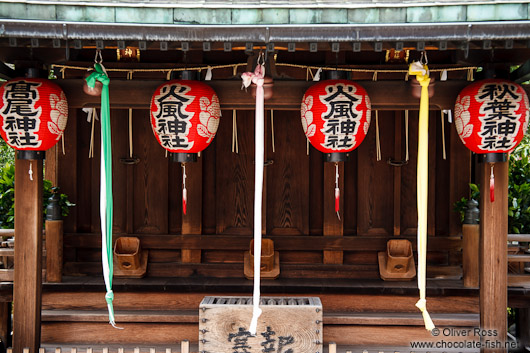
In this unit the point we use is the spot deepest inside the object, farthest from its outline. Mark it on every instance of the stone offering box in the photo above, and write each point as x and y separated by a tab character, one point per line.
286	323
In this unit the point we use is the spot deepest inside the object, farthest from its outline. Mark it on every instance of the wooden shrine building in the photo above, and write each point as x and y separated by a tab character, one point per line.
202	253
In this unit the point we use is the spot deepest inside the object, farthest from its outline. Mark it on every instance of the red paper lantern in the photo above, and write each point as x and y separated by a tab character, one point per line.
336	115
184	115
335	119
33	114
491	116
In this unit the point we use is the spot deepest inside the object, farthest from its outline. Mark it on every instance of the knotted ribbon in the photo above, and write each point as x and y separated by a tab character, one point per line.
422	75
257	77
105	201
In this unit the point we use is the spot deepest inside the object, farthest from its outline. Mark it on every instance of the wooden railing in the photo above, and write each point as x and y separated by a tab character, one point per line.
185	347
518	275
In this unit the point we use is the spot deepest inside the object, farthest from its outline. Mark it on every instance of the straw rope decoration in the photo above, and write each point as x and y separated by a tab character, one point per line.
308	68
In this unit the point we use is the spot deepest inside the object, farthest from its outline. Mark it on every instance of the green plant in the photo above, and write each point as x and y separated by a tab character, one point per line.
7	197
460	206
7	154
518	190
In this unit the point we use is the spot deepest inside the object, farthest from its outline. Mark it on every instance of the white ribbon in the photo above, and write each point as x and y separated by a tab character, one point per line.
317	75
90	112
257	78
208	76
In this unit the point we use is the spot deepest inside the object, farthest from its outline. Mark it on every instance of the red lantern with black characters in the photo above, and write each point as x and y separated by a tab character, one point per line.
33	115
491	118
335	118
184	117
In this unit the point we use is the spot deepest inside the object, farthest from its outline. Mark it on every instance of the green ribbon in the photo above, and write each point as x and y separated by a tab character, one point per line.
106	156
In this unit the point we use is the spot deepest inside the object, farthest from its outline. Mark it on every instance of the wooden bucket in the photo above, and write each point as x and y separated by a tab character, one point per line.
127	253
267	254
399	255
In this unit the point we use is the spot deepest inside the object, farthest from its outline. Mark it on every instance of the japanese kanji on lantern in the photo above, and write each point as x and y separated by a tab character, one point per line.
184	117
33	115
491	118
335	118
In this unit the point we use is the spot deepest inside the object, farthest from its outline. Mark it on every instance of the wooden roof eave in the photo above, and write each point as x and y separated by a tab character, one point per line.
384	95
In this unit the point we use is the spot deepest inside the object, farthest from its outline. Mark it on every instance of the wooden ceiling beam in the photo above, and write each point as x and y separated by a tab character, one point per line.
384	95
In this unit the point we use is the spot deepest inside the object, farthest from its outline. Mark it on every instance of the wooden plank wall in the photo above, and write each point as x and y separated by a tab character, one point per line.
379	200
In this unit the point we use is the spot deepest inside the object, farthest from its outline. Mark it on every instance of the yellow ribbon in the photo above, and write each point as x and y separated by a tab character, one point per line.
422	75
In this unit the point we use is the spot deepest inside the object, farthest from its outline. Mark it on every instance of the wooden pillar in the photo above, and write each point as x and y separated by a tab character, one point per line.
192	220
54	251
493	254
28	256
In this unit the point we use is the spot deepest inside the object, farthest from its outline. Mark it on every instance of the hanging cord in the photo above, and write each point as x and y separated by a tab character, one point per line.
492	184
106	199
272	131
184	190
30	171
421	71
406	135
470	74
444	155
130	77
94	117
62	142
235	146
337	191
377	140
257	78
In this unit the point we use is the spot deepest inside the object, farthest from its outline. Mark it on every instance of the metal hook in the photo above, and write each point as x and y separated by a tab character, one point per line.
98	56
261	58
424	57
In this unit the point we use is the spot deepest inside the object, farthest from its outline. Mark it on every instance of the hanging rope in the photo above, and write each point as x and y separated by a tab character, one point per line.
184	190
62	143
377	141
407	135
337	191
272	131
257	77
30	171
130	77
422	75
492	184
106	203
444	156
235	146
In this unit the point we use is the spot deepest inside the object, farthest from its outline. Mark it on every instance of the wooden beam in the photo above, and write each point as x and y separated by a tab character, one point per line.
281	242
493	254
28	255
384	95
